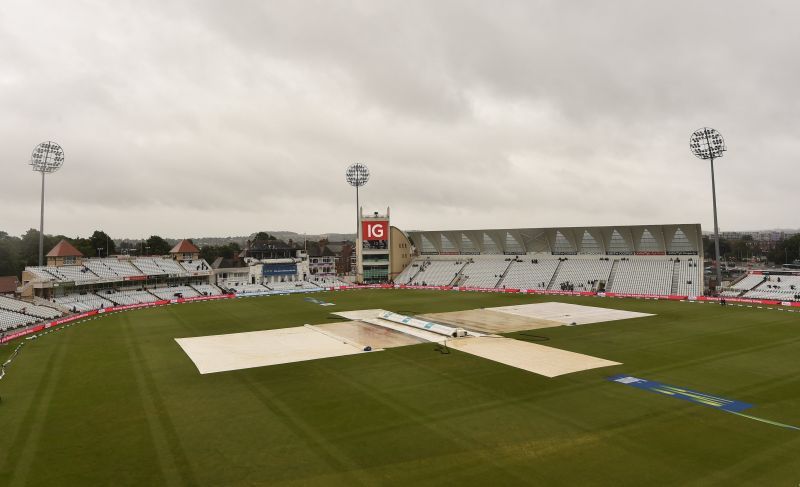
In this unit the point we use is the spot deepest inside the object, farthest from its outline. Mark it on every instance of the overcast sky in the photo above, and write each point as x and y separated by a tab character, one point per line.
212	118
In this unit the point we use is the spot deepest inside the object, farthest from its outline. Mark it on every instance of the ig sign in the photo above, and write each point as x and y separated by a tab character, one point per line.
375	230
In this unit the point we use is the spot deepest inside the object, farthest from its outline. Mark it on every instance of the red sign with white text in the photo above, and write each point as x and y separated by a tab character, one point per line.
375	230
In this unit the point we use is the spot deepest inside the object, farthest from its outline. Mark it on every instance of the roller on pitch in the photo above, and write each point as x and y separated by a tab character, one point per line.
424	325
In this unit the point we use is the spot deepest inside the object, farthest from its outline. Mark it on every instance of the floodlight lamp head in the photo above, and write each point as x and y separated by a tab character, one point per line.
47	157
357	174
707	143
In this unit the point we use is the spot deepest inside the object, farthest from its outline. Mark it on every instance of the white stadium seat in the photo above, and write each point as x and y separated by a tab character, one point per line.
174	292
641	276
24	307
111	268
437	272
783	288
687	278
484	272
661	275
291	285
207	289
583	274
326	281
12	319
530	273
156	266
82	302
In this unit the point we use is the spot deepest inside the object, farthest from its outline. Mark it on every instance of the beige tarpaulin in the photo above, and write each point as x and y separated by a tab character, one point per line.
546	361
219	353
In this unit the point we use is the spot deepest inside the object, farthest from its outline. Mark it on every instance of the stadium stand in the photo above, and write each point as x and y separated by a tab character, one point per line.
291	286
326	281
15	313
174	292
639	259
82	302
438	272
207	289
243	287
484	272
100	269
634	276
408	274
685	280
527	273
195	265
13	319
74	283
43	274
170	292
154	266
779	294
748	282
73	273
781	287
582	274
70	273
130	297
112	269
148	267
23	307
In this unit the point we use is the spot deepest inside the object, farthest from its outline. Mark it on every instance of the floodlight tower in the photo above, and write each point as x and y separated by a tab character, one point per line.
707	144
357	175
47	157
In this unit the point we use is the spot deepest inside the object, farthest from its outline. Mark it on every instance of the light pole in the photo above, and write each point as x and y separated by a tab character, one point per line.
357	175
707	144
47	157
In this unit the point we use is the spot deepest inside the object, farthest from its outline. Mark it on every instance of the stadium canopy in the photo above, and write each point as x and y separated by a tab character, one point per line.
678	239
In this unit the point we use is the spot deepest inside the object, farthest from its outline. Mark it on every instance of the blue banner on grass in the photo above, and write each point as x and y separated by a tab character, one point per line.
729	405
317	301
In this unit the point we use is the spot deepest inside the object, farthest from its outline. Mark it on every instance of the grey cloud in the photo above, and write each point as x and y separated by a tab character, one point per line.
210	118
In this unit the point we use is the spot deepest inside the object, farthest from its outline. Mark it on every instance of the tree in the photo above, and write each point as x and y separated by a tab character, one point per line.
709	250
742	249
129	247
84	245
263	236
157	246
29	246
100	240
786	251
211	252
10	264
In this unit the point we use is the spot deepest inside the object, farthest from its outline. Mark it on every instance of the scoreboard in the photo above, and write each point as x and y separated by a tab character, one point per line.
373	249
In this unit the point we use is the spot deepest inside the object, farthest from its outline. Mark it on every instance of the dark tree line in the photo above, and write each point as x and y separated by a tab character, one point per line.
228	251
785	251
18	252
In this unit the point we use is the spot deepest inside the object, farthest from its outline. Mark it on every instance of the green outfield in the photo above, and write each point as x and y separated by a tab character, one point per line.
115	401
